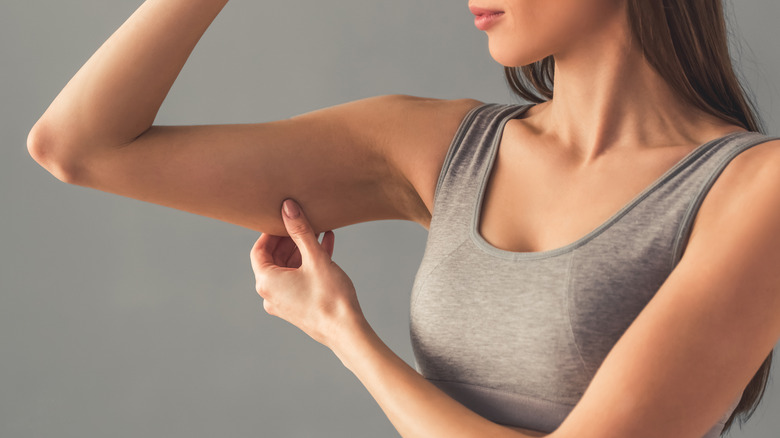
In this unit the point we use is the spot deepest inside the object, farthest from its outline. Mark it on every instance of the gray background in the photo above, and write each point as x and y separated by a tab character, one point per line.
125	319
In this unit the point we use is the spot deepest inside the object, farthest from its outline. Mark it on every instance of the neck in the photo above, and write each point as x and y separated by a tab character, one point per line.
608	97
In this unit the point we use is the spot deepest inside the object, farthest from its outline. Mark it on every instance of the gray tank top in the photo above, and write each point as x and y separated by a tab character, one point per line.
517	336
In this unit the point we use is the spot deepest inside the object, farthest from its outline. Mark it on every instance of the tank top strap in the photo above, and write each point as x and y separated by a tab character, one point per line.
468	159
696	179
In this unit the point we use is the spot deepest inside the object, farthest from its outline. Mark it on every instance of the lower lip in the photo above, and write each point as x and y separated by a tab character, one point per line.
485	22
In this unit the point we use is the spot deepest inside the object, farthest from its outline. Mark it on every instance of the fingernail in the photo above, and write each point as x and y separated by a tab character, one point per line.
291	209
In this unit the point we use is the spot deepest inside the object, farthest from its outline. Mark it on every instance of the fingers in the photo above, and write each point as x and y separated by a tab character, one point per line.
289	252
328	242
295	259
262	259
284	252
262	250
300	230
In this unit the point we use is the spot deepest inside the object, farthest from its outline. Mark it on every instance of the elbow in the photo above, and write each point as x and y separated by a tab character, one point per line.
46	147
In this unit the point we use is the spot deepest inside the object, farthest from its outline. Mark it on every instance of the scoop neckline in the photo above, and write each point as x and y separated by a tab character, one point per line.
477	207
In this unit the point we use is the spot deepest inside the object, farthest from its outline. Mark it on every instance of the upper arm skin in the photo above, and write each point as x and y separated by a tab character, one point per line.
370	159
696	345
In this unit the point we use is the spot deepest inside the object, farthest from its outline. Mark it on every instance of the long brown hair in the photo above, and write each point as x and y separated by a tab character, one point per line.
686	42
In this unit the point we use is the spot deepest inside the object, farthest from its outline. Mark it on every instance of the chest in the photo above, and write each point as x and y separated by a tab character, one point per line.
537	198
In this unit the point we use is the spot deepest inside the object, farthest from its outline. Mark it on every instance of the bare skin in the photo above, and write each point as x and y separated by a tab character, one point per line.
612	129
373	159
612	119
367	160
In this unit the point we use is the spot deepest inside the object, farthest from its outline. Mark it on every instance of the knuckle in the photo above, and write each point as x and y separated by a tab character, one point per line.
268	307
261	286
263	291
298	228
257	248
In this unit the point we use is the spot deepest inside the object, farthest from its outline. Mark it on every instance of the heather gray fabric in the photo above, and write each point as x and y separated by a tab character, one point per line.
517	337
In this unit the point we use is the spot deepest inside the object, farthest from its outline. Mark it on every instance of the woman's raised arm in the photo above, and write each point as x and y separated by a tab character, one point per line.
371	159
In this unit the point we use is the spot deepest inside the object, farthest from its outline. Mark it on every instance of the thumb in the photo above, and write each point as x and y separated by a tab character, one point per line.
301	232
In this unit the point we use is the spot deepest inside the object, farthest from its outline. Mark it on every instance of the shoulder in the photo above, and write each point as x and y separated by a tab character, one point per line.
415	134
743	195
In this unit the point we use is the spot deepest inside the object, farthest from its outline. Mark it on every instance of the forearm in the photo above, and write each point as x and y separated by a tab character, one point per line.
116	95
415	406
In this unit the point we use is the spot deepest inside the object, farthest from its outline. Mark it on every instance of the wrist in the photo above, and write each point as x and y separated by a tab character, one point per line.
353	341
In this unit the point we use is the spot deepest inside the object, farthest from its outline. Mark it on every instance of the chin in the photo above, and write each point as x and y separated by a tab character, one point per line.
514	56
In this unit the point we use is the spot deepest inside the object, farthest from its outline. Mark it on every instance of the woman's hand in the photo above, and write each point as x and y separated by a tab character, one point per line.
301	284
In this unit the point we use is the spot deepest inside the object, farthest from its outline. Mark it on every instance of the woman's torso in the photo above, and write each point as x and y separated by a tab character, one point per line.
504	330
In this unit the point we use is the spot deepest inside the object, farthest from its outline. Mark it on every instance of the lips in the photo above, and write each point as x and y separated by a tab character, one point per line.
485	18
482	11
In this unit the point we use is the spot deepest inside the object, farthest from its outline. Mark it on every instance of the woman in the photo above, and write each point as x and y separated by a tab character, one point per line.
618	238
